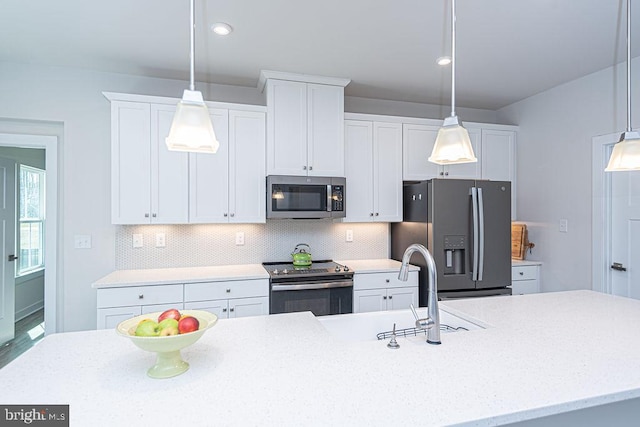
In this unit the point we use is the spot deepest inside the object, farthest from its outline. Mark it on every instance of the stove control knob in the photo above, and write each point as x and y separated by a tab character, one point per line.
285	271
346	268
337	269
276	271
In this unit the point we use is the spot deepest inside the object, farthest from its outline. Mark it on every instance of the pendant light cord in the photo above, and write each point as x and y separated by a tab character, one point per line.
628	65
453	58
192	85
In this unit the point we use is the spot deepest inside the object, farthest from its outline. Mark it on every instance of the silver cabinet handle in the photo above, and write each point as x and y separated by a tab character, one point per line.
384	297
225	214
141	296
522	273
146	215
441	173
232	215
154	215
390	296
310	168
224	310
371	214
446	173
228	291
304	168
231	309
377	213
387	280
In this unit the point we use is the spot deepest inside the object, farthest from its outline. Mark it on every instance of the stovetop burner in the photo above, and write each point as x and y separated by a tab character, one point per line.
317	268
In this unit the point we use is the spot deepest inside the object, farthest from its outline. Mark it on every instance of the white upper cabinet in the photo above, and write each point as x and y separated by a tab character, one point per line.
373	163
152	185
498	159
149	182
418	142
305	124
229	186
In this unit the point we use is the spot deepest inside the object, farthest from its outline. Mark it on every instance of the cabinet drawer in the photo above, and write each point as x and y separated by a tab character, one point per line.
383	280
522	287
221	290
140	295
526	272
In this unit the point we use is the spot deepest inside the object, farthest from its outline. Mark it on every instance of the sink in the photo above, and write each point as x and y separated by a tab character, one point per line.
376	325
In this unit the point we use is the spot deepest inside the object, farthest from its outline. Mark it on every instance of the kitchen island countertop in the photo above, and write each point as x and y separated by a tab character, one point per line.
544	354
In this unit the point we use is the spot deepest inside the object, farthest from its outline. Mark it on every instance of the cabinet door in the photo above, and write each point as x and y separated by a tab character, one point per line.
245	307
498	159
369	300
468	170
286	128
169	172
109	318
387	172
130	163
402	298
218	307
325	130
209	176
417	144
359	170
247	169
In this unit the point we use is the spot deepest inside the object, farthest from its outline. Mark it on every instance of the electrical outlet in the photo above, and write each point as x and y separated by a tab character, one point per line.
564	226
82	241
240	238
138	242
349	236
161	240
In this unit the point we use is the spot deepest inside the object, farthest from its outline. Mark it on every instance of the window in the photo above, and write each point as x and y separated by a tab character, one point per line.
31	220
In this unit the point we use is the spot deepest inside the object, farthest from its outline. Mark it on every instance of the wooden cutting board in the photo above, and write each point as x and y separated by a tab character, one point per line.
519	241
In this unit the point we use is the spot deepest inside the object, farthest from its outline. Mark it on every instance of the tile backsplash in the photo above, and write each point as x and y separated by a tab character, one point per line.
215	244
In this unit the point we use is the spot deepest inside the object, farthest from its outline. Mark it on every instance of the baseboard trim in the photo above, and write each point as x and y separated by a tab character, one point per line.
30	309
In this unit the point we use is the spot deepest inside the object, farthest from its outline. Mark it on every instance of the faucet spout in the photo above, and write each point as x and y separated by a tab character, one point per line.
433	314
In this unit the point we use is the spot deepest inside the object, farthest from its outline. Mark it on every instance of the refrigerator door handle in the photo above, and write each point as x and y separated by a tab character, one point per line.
474	208
481	232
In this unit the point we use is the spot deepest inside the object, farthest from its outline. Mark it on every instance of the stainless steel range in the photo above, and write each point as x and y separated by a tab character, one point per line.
324	287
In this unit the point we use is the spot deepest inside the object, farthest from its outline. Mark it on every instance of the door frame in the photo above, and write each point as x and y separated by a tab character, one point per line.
601	222
53	259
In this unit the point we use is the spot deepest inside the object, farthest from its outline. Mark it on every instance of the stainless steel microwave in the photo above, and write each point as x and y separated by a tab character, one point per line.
305	197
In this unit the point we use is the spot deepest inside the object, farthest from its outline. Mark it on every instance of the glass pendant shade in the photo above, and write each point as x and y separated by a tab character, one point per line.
453	144
626	153
191	129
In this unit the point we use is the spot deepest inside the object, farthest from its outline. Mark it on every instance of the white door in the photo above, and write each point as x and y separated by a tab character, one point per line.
245	307
247	184
359	170
402	298
209	176
387	172
625	234
369	300
8	232
325	130
417	144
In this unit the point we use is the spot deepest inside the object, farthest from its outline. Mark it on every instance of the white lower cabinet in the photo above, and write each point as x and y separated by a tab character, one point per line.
384	291
525	279
118	304
238	298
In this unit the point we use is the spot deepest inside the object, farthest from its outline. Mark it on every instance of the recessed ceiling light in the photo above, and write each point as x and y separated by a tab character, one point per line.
444	60
221	28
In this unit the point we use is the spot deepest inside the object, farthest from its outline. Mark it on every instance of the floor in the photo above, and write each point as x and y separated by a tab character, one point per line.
29	331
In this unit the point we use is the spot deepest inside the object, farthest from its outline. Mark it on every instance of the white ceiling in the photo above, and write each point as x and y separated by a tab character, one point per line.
507	49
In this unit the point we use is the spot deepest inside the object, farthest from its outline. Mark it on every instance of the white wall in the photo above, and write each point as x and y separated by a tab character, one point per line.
554	167
72	98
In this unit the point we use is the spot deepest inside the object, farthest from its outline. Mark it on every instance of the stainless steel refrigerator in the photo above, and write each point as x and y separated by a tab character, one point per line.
466	225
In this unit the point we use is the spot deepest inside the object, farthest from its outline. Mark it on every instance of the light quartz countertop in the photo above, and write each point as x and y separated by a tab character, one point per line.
518	263
544	354
373	265
162	276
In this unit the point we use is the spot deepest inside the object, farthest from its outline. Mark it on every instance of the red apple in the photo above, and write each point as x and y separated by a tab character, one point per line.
188	324
172	313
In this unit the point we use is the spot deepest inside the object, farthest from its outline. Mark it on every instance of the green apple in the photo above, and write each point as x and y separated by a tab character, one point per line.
147	328
168	326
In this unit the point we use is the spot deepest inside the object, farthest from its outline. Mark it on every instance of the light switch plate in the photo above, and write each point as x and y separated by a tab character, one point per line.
138	241
348	236
240	238
82	241
161	240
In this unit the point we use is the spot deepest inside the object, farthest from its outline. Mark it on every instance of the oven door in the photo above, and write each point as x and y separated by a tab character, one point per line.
320	298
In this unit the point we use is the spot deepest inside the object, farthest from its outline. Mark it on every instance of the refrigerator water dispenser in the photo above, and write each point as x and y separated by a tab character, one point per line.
454	249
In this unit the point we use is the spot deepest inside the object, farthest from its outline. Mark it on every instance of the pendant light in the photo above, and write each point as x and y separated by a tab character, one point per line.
626	153
191	129
453	144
